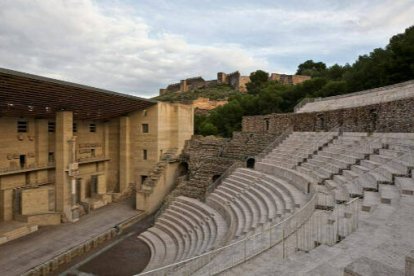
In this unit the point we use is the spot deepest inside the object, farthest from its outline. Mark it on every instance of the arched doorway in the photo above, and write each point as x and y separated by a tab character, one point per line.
215	177
250	163
182	170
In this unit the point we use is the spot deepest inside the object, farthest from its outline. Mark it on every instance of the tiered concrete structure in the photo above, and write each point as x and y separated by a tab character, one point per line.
67	149
341	182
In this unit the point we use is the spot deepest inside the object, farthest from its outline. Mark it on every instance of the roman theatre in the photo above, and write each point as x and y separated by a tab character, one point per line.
325	190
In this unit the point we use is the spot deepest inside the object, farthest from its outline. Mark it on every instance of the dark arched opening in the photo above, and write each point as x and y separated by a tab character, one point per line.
267	124
215	177
373	117
250	163
320	122
182	168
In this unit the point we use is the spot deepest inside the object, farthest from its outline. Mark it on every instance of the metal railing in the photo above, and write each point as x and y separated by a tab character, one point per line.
302	231
228	256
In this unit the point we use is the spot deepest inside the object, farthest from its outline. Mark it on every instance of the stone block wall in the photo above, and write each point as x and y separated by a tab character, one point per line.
35	201
209	157
393	116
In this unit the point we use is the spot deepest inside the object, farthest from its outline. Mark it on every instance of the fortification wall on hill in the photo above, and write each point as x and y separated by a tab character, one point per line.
395	116
234	79
288	79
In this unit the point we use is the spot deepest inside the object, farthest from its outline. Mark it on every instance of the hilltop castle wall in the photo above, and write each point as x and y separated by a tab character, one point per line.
235	80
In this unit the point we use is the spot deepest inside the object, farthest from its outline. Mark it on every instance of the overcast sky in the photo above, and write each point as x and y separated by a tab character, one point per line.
137	47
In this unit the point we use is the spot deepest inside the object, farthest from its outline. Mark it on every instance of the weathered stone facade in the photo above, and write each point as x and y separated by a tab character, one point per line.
209	157
393	116
70	151
289	79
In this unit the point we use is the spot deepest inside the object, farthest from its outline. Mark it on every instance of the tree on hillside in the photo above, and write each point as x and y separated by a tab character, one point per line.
311	68
257	81
401	49
381	67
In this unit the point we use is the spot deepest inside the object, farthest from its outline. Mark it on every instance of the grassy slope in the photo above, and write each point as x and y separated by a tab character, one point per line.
219	92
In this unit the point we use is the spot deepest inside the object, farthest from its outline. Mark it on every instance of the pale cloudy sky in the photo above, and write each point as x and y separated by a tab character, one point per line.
137	46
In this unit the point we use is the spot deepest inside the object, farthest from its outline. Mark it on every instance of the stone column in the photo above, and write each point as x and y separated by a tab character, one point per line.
124	154
41	147
105	151
63	154
73	170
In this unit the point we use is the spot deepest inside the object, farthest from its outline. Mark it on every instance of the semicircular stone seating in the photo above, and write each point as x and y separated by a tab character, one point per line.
246	202
336	166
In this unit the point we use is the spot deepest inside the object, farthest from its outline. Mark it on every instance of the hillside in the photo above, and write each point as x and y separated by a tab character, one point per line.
219	92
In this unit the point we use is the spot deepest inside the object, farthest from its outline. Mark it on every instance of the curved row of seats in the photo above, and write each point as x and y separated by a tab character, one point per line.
249	201
246	202
186	229
255	200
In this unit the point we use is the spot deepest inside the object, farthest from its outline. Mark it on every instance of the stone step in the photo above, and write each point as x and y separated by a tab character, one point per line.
156	247
389	194
229	215
181	243
249	209
201	229
169	244
370	201
366	266
257	198
219	226
185	230
283	196
405	184
238	218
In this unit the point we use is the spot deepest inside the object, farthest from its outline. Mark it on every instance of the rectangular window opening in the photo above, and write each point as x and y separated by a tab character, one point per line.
92	127
51	126
145	154
51	157
22	160
21	126
145	128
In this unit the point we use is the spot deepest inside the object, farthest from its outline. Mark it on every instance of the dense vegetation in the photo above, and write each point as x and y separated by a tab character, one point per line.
218	92
381	67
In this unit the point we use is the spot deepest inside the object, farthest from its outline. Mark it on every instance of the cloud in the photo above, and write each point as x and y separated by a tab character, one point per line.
140	46
81	42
